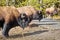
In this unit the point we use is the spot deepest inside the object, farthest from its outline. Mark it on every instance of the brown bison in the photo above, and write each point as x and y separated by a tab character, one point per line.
9	18
51	11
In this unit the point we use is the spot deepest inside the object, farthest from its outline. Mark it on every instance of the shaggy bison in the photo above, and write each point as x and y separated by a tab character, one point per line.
9	18
51	11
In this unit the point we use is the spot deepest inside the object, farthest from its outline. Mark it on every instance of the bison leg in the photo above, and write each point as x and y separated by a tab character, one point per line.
5	30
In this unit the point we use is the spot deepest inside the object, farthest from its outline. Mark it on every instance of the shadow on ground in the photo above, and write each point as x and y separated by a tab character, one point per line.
28	34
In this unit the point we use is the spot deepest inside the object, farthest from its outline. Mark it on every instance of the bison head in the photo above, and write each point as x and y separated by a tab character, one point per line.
38	15
23	20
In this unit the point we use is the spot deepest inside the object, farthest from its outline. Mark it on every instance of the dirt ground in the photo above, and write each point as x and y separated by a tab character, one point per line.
33	33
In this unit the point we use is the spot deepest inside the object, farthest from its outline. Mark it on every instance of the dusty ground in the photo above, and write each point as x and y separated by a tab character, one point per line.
33	33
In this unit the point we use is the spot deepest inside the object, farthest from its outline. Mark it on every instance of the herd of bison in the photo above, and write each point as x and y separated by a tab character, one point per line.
11	17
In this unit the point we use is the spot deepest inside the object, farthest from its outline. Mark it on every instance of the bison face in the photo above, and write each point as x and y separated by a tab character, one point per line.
38	15
23	20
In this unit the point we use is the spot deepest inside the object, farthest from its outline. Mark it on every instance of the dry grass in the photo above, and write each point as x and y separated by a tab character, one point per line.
56	17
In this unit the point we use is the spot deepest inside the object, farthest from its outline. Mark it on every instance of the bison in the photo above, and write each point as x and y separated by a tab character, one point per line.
9	18
51	11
